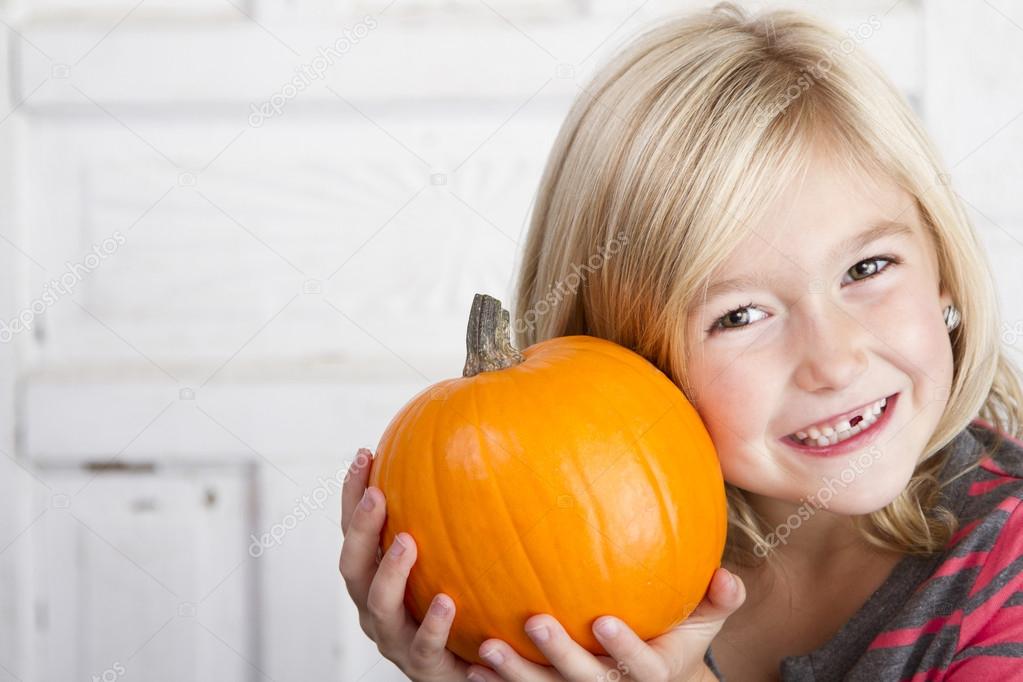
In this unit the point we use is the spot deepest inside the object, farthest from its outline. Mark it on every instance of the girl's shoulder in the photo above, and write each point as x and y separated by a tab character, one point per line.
999	474
990	497
1004	453
982	572
963	621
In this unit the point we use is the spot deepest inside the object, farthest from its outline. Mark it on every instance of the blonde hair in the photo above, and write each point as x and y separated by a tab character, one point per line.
675	147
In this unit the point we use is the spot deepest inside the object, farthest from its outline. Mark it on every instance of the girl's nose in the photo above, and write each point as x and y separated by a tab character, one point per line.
832	354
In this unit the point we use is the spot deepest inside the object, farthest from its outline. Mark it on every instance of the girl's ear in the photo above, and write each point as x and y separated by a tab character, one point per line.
945	299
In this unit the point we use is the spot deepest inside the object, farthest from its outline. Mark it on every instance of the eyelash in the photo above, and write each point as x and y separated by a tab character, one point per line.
892	260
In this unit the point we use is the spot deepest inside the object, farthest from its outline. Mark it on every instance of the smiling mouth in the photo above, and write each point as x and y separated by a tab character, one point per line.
827	434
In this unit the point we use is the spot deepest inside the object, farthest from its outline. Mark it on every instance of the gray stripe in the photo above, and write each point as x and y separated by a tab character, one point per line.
1007	650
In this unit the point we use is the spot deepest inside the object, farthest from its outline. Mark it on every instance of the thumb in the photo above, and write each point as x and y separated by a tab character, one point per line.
686	643
725	594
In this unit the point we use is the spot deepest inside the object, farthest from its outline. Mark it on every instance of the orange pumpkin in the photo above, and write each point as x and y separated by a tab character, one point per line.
571	478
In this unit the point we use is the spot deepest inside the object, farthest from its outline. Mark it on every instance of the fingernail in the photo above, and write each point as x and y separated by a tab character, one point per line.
733	582
493	657
439	607
539	634
362	458
475	676
367	502
398	546
607	627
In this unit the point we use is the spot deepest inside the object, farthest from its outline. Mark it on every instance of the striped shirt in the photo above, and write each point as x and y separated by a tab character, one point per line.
956	615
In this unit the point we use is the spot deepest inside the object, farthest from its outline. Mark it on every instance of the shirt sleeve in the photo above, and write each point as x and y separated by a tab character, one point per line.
990	645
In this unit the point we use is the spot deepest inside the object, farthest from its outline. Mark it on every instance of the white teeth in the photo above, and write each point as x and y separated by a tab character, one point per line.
829	435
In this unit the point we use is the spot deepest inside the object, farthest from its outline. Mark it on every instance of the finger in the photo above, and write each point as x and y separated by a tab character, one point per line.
696	632
723	598
393	627
478	673
568	656
358	562
354	485
428	646
632	655
512	667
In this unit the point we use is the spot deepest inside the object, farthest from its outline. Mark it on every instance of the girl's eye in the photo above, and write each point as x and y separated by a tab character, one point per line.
740	317
868	268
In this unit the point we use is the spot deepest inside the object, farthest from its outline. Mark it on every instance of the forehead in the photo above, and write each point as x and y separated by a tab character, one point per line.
877	230
818	219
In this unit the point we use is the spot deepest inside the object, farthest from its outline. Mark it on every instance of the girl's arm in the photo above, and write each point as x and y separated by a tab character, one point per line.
990	646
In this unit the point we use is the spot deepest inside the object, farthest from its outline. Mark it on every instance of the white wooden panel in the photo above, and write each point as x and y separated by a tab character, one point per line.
306	609
276	425
146	575
482	55
219	332
974	102
16	481
302	242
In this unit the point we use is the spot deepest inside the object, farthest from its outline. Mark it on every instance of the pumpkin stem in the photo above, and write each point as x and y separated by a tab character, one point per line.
488	343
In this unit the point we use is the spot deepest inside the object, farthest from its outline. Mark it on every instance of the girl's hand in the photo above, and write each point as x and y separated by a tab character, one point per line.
377	585
676	656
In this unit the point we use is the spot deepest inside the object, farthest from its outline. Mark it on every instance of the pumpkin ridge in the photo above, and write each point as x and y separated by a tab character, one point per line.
495	482
441	513
644	459
519	536
592	494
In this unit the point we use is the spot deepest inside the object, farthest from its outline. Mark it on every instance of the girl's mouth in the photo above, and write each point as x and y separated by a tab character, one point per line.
849	435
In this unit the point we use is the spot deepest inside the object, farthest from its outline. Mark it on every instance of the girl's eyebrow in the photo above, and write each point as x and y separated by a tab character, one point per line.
877	230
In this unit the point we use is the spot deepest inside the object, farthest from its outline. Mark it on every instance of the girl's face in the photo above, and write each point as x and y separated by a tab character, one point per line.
839	307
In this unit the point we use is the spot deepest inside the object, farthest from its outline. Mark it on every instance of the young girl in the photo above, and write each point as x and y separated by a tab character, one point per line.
798	263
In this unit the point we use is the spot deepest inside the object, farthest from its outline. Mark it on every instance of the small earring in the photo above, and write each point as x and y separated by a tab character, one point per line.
952	317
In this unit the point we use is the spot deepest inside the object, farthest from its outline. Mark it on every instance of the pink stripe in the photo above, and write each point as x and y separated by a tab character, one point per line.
1008	547
956	564
926	676
991	427
981	487
988	610
963	532
992	466
907	636
981	668
1004	627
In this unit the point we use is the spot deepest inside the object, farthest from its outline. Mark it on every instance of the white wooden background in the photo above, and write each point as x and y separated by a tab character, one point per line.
283	288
